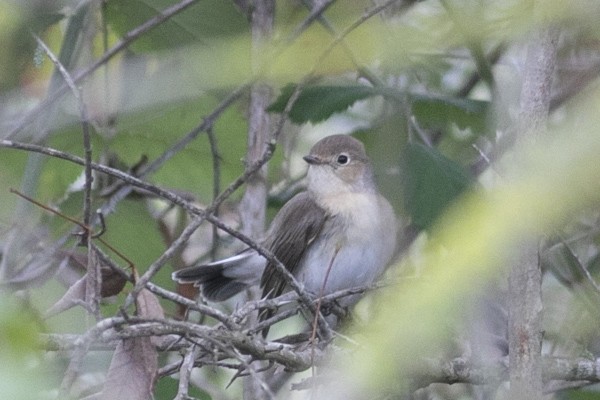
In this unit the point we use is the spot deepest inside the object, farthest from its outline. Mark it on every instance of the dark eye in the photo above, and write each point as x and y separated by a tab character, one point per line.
343	159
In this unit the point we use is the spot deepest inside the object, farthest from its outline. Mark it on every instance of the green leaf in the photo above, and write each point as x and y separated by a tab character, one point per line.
432	183
199	23
439	112
21	376
317	103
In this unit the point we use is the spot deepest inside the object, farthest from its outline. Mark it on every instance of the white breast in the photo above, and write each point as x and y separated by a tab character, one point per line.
363	231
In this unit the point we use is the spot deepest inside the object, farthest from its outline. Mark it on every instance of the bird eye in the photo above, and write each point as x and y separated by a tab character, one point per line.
343	159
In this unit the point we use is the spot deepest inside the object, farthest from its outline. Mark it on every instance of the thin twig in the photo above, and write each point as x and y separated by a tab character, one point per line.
315	13
66	217
164	257
292	282
368	14
192	305
313	334
216	162
185	371
169	153
124	43
94	278
81	347
484	68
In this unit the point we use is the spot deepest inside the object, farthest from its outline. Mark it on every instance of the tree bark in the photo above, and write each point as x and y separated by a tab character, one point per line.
254	203
525	303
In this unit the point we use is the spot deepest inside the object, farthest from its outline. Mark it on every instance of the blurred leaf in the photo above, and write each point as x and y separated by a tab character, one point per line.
317	103
440	113
432	183
19	379
166	388
205	20
151	131
112	282
133	232
547	183
18	329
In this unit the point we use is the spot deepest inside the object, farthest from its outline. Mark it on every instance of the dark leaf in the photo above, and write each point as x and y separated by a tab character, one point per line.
438	112
432	182
199	23
112	282
317	103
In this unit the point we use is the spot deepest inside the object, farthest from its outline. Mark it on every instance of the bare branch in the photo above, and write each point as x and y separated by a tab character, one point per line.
94	278
426	371
216	158
185	372
253	206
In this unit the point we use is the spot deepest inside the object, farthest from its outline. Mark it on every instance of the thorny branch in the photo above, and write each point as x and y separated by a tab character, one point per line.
457	370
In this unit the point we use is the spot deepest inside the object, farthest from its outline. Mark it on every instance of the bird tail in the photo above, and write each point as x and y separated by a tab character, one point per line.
219	280
211	279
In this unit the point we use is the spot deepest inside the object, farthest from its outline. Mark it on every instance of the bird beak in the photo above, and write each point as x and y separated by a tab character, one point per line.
312	160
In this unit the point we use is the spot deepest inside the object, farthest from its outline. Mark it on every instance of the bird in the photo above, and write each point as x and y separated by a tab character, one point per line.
338	234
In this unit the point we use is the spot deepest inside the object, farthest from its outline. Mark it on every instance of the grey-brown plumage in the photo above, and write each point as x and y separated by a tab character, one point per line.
340	233
289	240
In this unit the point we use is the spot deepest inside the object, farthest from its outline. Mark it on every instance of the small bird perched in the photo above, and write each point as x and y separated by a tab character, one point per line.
338	234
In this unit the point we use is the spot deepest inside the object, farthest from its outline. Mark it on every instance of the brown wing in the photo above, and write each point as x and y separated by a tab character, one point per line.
292	231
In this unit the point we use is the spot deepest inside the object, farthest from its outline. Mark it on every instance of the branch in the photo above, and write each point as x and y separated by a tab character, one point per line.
426	371
128	38
94	277
525	302
185	373
253	206
216	161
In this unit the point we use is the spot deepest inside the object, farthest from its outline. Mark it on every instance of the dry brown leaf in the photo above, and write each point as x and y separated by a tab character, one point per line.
134	364
148	306
74	296
132	371
112	284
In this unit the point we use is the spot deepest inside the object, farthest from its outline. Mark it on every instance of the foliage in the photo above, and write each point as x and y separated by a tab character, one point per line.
431	88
